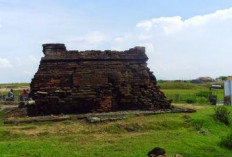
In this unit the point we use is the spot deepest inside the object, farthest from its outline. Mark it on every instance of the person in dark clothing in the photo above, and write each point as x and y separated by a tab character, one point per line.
10	96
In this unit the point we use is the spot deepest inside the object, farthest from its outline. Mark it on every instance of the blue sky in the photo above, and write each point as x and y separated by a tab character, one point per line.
184	39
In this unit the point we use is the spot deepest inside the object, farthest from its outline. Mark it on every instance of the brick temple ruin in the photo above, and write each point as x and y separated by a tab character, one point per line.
94	81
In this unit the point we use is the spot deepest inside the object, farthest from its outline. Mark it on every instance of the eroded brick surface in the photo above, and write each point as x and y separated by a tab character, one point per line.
94	81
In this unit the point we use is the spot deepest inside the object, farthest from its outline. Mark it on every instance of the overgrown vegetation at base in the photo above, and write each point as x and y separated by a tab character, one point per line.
227	141
222	114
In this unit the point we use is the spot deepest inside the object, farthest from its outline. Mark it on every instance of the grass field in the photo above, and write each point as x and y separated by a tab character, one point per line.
192	135
14	85
184	92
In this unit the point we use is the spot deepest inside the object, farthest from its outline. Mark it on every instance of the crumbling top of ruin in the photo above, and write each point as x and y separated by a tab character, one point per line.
94	81
59	52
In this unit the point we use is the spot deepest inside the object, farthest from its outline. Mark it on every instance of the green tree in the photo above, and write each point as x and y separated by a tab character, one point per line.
223	78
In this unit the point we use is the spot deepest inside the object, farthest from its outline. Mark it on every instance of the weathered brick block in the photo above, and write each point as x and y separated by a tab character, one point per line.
94	81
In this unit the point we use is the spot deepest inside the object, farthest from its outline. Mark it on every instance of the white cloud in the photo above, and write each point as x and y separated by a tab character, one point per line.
5	63
175	24
185	49
220	15
169	24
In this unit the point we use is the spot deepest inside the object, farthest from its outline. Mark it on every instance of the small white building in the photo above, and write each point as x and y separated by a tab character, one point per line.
228	91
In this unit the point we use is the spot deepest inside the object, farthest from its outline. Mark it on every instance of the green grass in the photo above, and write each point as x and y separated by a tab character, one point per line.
185	85
182	85
14	85
183	92
192	135
132	137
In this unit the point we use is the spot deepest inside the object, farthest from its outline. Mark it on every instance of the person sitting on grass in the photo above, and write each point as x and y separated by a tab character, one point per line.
24	95
10	95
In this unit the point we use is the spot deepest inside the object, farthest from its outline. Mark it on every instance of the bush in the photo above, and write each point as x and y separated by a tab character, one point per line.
222	114
198	124
190	100
204	94
202	100
227	141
